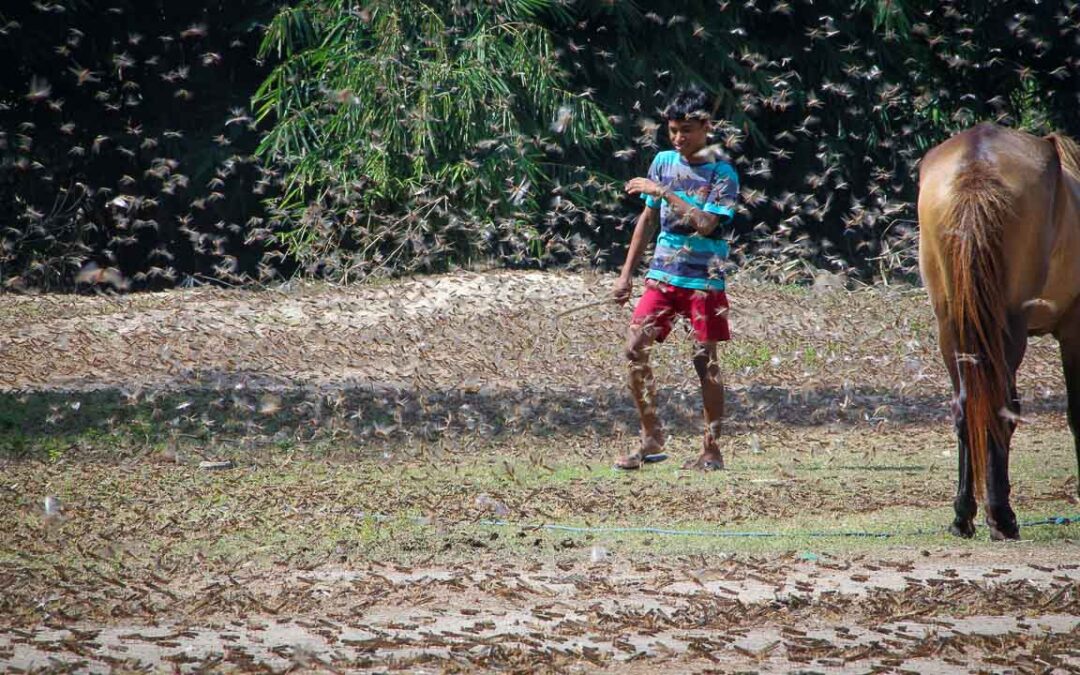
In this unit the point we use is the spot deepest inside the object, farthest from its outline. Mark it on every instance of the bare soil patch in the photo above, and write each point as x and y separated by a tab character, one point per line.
935	614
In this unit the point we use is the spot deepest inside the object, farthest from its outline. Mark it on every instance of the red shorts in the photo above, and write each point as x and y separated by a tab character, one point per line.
706	310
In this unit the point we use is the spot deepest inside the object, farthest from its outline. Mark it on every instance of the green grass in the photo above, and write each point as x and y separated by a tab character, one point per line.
315	503
132	513
793	290
744	354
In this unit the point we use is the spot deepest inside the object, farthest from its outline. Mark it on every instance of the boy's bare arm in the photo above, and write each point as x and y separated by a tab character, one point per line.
703	222
644	230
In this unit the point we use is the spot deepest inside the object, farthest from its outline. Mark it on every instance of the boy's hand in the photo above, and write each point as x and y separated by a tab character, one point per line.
621	291
644	186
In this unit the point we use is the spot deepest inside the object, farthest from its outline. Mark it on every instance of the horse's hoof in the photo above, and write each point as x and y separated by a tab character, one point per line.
963	529
1002	524
1004	534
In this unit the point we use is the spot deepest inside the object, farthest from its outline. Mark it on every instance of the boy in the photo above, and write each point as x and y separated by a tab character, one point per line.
689	193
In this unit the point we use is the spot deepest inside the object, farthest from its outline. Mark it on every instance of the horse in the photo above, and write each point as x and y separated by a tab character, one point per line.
999	255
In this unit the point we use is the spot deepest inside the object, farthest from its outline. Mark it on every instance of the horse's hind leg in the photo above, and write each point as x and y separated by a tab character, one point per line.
1068	335
964	504
999	514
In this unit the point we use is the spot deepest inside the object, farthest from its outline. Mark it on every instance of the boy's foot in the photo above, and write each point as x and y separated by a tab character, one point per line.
710	458
652	450
631	462
706	463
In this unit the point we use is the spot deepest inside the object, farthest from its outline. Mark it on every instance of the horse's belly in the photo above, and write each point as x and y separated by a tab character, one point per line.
1059	294
1042	316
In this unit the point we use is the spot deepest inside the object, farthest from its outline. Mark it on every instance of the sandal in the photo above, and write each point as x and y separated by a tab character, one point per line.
636	461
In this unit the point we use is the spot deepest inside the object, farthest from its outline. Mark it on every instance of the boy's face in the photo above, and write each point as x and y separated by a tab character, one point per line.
688	136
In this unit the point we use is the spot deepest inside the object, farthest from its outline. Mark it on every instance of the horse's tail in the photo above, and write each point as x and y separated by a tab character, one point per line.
973	245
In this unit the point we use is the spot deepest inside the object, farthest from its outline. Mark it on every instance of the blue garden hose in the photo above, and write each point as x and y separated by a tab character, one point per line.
1052	520
730	534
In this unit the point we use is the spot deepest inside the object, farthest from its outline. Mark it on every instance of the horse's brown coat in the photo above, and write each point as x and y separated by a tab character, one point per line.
999	251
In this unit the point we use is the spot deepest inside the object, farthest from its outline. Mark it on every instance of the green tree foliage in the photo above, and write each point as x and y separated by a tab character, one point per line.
825	108
408	125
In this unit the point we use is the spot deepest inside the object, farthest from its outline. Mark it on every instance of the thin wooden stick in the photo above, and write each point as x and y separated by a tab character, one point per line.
594	303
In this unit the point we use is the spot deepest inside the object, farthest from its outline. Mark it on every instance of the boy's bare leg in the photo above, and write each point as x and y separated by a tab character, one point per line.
712	396
639	340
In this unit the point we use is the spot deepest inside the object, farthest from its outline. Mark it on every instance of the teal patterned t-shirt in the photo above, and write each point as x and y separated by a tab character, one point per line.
683	257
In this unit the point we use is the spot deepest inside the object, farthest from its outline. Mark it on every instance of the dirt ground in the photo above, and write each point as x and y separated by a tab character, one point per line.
828	616
417	476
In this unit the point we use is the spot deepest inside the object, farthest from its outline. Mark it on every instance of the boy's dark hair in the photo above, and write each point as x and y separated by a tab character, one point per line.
689	104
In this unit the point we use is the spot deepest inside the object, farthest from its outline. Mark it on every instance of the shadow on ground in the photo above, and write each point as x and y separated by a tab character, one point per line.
226	407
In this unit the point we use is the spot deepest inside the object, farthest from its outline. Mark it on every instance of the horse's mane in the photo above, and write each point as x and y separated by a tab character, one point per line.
1068	152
